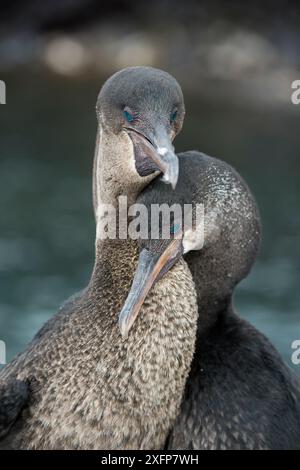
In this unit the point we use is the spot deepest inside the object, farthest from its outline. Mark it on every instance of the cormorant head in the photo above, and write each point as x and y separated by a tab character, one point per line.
140	110
219	242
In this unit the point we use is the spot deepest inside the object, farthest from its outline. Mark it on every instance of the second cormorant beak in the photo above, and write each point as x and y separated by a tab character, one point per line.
154	151
151	267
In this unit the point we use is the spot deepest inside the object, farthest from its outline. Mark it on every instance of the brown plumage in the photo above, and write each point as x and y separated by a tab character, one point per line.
239	394
89	388
79	385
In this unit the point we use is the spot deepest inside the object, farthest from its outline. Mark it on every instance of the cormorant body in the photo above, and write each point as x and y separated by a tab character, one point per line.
239	394
79	384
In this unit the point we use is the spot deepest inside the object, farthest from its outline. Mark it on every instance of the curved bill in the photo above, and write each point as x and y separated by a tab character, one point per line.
150	266
155	153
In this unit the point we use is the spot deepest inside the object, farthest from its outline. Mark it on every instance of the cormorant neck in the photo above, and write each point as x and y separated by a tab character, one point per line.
110	181
114	172
214	288
210	310
112	257
110	151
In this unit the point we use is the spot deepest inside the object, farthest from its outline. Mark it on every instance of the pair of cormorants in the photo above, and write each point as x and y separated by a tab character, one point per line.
177	368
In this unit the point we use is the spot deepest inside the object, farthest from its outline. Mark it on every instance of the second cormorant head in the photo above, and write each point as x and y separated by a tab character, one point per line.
219	241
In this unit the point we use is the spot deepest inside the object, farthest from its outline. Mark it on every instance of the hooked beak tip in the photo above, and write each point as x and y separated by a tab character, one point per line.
170	176
168	161
123	327
161	151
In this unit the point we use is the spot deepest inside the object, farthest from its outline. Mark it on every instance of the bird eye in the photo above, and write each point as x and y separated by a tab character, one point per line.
174	229
128	116
173	116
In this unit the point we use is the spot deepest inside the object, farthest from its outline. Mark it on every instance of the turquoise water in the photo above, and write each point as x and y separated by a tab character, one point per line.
47	134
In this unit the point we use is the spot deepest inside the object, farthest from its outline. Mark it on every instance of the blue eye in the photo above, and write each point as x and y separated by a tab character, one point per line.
173	116
174	229
128	116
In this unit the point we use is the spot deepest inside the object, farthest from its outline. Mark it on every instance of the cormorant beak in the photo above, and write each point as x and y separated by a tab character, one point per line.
154	152
150	268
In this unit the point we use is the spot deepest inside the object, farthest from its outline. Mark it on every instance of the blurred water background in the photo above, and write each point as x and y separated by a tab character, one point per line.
236	67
